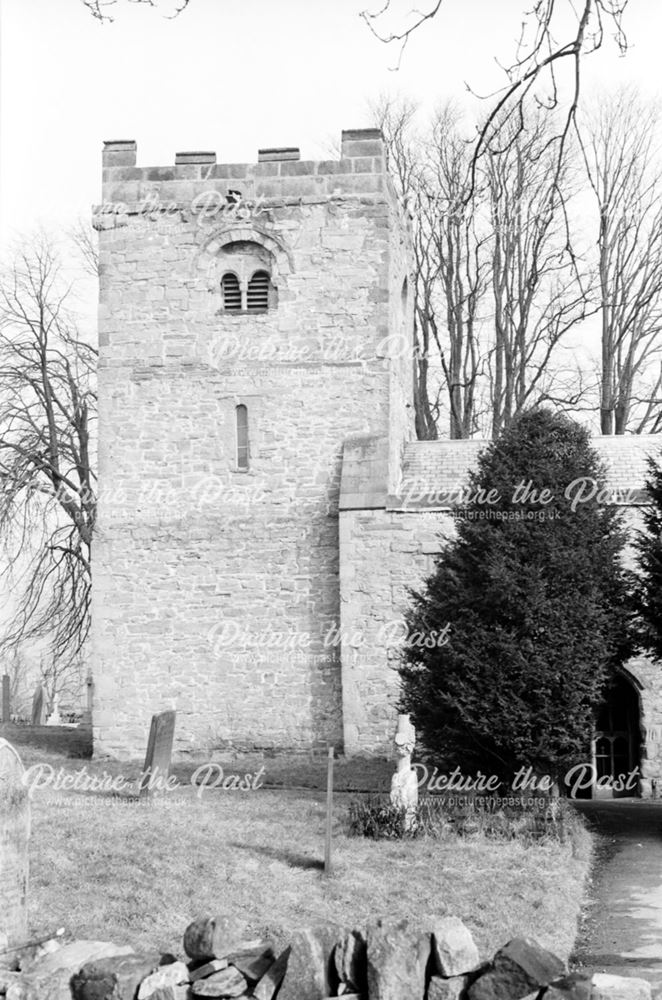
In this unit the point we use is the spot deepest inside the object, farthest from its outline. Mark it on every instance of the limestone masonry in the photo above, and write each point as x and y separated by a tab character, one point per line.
263	504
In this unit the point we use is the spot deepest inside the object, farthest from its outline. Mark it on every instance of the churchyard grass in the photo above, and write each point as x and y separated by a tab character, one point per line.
138	873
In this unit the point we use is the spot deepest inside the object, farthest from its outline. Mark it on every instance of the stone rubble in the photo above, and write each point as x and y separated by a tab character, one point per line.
429	958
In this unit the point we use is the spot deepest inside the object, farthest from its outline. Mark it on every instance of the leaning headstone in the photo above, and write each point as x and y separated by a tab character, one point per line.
38	710
6	698
159	753
14	837
87	714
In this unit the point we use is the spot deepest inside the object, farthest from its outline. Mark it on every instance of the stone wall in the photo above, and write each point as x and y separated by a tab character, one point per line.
214	587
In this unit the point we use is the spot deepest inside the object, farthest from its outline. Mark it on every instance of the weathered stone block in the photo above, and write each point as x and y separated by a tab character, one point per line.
576	986
228	983
174	974
521	967
214	937
310	969
351	960
116	977
253	962
447	989
453	949
398	954
50	978
267	987
607	987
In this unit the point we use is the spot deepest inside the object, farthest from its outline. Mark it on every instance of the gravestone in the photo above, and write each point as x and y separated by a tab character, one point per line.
159	753
87	714
14	836
54	718
6	698
38	710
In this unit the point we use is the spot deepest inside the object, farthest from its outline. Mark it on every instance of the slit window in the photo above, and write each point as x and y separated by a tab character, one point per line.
231	293
241	415
257	299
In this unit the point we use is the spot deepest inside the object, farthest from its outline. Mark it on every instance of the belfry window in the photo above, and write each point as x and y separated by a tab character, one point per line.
241	416
257	298
231	292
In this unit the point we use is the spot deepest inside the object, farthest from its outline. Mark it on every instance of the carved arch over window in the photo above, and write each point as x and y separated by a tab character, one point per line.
281	261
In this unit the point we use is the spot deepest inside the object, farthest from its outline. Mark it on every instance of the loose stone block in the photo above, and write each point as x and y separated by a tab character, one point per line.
576	986
228	983
351	960
216	965
174	974
214	937
116	977
453	949
607	987
267	987
49	979
522	966
446	989
310	970
253	962
398	953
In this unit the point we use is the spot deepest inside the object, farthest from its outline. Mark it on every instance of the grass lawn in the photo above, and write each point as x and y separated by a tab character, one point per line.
137	874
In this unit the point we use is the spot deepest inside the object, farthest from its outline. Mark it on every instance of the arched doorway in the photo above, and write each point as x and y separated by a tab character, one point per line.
617	741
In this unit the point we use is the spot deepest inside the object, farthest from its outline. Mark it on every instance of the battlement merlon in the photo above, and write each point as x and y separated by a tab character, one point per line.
278	173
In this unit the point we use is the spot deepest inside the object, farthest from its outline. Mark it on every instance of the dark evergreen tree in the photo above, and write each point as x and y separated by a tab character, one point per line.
537	603
648	593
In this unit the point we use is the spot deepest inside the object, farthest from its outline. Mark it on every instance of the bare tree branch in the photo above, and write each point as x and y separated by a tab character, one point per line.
625	174
47	480
553	35
98	8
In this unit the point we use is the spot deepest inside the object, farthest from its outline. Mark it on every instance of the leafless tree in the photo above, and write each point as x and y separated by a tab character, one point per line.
553	34
538	290
86	243
99	8
47	482
498	286
625	173
431	173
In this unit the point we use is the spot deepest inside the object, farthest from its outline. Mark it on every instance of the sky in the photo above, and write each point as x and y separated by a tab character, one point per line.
232	76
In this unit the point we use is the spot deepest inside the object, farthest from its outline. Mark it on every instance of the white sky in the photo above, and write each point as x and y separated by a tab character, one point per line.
230	76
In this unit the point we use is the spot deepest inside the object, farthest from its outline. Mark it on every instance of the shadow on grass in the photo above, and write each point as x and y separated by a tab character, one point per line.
289	858
69	742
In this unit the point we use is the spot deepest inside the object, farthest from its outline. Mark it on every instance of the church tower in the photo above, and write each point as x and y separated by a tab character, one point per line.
253	318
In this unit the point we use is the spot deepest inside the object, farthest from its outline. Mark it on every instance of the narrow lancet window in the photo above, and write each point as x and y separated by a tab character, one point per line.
241	413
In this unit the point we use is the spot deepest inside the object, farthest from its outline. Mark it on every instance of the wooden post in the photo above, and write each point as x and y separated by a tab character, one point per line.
329	814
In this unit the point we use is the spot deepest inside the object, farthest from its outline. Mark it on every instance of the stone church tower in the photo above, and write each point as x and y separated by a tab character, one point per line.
254	320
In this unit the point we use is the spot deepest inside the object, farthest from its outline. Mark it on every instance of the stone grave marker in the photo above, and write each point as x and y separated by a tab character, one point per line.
38	708
159	753
14	837
54	718
6	698
87	714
